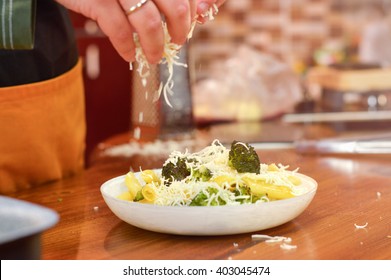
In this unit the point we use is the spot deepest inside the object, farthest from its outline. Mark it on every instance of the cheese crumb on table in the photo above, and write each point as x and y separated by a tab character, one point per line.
361	226
285	241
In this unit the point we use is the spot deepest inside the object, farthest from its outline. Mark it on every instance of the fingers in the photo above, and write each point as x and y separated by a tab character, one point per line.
210	3
178	16
112	20
145	20
204	7
193	8
220	2
147	23
117	29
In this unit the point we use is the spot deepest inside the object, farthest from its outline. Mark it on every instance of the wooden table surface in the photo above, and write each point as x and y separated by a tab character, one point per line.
353	190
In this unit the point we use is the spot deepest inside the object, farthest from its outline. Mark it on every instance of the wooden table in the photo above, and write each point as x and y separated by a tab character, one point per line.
353	190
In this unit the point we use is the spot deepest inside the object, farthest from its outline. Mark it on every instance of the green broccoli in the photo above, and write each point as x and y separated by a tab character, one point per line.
202	174
201	199
243	158
175	172
243	191
139	196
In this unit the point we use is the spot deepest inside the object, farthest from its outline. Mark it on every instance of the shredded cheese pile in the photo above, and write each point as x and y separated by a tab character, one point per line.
215	158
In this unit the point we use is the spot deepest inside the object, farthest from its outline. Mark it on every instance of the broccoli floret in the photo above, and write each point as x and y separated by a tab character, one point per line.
177	172
139	196
243	191
243	158
202	174
201	199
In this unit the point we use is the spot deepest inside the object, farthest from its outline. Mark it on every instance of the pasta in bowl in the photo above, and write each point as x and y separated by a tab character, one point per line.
213	197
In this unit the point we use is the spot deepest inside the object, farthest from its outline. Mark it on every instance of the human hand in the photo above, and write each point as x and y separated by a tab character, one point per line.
204	7
112	18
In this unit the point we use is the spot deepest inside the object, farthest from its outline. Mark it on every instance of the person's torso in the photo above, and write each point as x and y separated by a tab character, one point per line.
55	50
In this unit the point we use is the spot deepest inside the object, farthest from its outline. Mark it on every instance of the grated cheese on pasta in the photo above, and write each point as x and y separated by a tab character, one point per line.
215	158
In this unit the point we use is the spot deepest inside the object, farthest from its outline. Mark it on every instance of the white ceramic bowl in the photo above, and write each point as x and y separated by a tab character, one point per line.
206	220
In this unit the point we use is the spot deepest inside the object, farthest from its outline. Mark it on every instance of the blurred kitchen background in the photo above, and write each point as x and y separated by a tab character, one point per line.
257	35
301	61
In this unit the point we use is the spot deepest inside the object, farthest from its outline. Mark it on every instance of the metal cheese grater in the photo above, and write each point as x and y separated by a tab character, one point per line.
151	118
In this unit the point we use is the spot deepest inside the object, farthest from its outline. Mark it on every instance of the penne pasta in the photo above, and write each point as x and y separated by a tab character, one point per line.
133	184
125	196
149	176
273	167
148	193
225	180
260	188
294	180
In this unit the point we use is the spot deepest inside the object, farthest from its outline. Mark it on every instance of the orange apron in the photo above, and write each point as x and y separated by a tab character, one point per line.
42	131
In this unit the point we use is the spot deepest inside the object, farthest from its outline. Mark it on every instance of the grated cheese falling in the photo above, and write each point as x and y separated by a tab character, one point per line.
141	117
170	57
210	14
193	25
137	133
